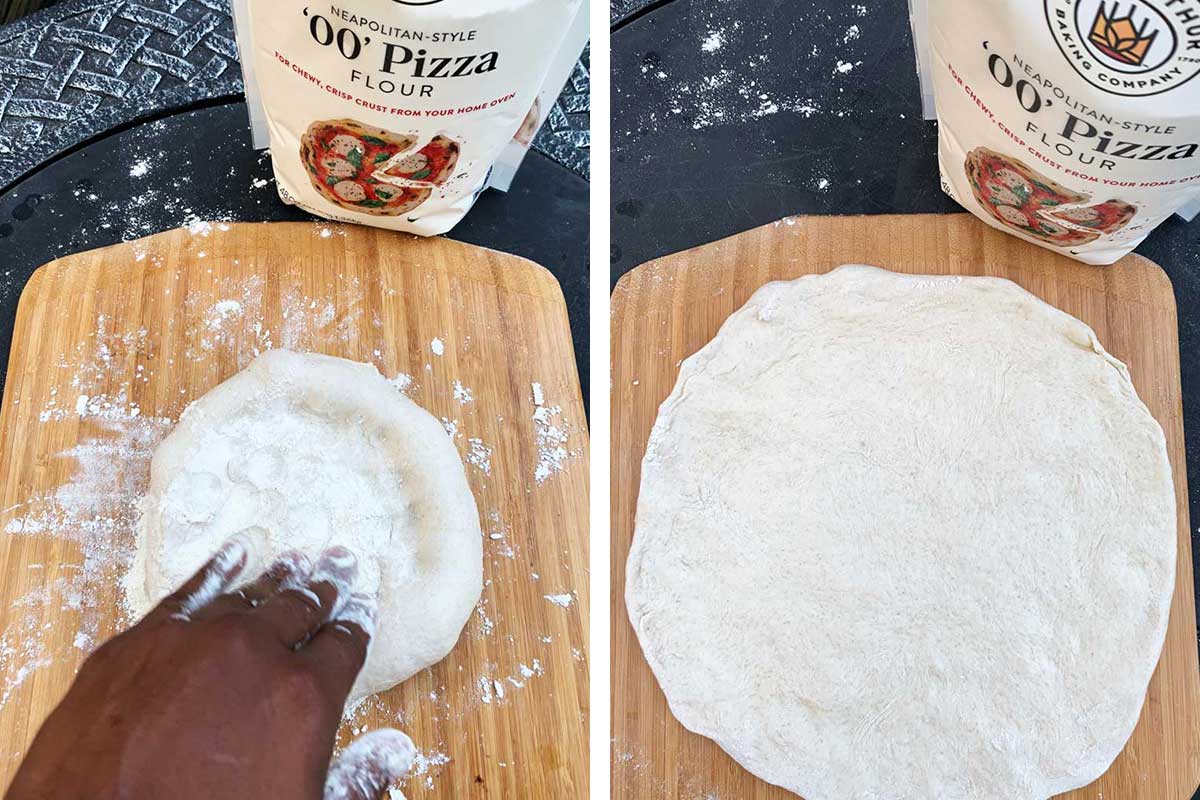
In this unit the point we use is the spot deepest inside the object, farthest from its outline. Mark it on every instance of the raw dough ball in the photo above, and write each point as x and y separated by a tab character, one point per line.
318	451
905	537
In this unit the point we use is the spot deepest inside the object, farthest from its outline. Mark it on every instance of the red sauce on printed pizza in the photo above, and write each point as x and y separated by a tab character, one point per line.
354	166
434	163
1029	202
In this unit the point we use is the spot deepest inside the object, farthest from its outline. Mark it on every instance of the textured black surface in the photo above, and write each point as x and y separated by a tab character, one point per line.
623	10
733	114
84	67
80	68
166	174
567	135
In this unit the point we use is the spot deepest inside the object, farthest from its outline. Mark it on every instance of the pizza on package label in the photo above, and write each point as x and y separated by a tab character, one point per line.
371	170
1029	202
432	165
529	126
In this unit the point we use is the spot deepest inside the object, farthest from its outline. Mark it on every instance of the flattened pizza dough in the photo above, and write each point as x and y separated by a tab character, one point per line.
308	451
905	537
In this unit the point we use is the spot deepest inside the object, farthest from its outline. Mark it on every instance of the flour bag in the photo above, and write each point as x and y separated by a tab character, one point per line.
393	112
1074	124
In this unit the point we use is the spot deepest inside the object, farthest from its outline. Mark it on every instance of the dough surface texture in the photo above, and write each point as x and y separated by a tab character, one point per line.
307	451
905	537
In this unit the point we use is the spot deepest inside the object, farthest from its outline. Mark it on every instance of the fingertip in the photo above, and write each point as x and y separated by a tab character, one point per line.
233	556
370	765
291	564
337	565
256	542
361	610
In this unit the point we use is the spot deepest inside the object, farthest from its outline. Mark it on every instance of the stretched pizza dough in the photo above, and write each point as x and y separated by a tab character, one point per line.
905	537
308	451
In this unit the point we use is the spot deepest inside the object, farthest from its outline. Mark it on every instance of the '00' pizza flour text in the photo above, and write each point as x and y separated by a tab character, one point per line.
1074	124
393	113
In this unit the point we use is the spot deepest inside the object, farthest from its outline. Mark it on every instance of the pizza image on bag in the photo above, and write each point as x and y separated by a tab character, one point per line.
1106	217
529	126
432	165
1027	201
350	164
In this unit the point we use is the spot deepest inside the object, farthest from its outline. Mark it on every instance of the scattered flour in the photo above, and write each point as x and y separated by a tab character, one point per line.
740	80
480	455
563	600
551	435
404	382
462	394
95	506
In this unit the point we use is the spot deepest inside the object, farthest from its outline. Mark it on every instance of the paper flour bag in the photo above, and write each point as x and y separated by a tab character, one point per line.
392	112
1074	124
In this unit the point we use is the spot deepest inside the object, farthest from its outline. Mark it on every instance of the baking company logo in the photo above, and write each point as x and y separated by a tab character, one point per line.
1133	48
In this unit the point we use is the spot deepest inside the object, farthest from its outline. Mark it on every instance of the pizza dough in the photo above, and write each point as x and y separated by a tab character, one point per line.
308	451
905	537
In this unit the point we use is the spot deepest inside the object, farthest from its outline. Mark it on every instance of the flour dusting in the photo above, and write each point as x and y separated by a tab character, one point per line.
102	387
739	79
462	394
552	437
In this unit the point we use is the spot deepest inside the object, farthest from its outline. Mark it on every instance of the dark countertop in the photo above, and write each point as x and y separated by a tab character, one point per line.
732	115
88	198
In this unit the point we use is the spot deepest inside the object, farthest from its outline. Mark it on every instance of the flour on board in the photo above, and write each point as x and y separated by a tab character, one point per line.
462	394
94	386
551	434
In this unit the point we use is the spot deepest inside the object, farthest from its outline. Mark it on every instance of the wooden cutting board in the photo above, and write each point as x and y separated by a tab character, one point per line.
666	310
110	346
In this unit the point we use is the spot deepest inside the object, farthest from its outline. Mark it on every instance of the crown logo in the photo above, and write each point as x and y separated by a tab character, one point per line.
1121	38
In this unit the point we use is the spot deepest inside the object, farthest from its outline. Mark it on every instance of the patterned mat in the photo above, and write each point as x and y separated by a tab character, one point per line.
85	67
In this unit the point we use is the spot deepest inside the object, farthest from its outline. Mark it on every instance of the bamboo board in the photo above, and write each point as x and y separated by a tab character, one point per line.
666	310
111	345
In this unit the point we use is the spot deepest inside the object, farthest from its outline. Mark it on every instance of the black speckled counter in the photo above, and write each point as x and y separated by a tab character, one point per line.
163	174
729	115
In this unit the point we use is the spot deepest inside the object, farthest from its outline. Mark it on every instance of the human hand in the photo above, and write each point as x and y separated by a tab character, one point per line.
223	695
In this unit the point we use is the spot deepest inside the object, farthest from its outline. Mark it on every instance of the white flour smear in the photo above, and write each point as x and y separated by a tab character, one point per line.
102	477
552	436
90	511
636	768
